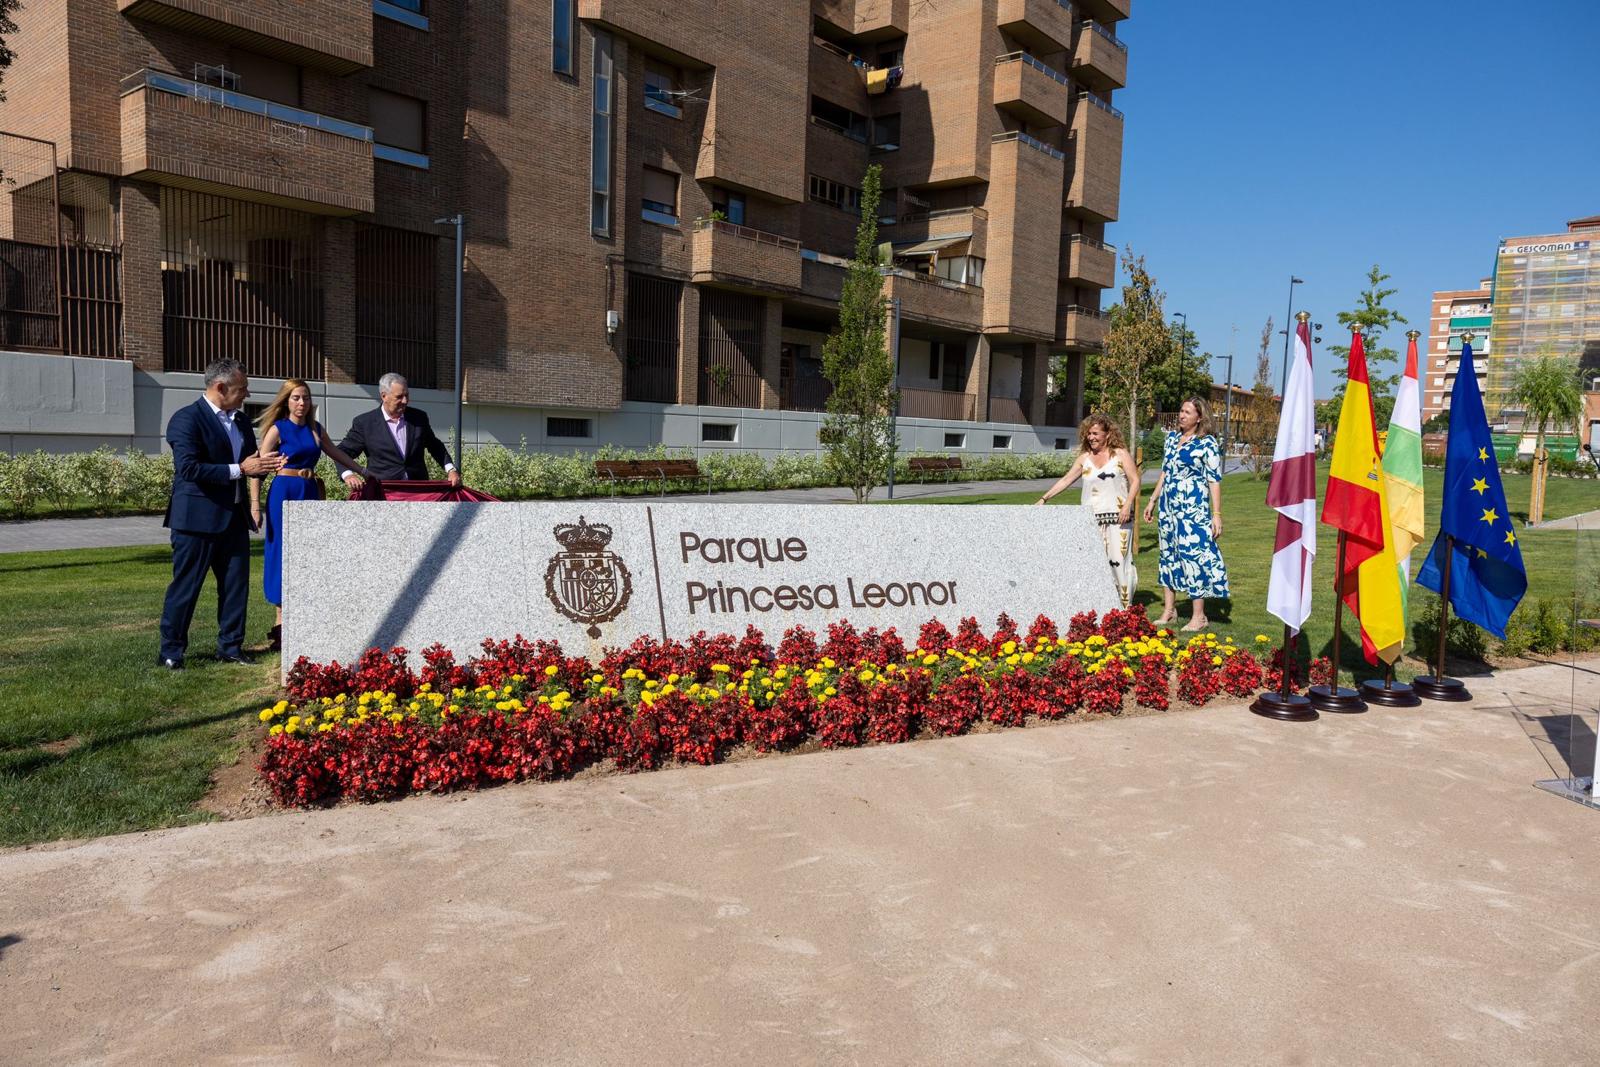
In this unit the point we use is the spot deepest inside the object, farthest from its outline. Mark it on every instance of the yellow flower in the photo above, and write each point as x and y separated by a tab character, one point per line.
673	678
1261	639
1216	661
865	676
651	684
266	713
324	728
1027	657
1009	647
721	668
928	661
830	691
550	671
276	730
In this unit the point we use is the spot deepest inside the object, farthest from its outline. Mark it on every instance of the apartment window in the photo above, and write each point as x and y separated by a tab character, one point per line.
399	121
600	148
661	90
965	269
839	119
721	432
1002	440
660	196
561	426
955	440
563	32
843	197
731	205
886	133
1061	444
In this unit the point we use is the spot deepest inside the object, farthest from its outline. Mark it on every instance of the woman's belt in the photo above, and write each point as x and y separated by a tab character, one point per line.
308	474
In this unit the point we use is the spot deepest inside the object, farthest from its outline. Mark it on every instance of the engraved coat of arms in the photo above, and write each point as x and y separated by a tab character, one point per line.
587	582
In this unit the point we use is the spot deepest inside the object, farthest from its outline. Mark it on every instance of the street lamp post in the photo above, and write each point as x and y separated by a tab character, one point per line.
459	222
1284	383
1183	357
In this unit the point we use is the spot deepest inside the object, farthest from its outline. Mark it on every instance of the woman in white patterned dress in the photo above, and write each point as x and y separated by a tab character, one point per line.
1110	491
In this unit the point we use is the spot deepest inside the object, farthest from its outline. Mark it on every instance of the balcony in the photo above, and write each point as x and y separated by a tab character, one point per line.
748	259
1032	91
1080	327
1089	262
936	404
1105	10
331	35
1007	409
1095	145
1099	58
180	132
1042	25
940	301
881	19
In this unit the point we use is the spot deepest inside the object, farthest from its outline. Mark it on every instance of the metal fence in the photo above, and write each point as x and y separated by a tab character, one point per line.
30	293
243	280
653	335
397	320
730	348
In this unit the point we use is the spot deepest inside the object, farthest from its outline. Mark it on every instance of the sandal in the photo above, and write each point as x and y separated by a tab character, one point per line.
1194	628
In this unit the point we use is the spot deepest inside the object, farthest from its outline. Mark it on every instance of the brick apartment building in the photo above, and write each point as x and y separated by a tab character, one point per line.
658	201
1453	314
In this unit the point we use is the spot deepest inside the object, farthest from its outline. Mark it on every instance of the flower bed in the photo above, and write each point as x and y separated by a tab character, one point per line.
523	709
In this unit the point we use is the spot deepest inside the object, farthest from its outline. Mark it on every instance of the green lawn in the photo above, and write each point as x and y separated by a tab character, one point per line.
1249	527
94	738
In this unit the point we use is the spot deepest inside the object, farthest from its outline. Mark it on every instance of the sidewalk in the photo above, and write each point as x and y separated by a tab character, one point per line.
44	535
1198	887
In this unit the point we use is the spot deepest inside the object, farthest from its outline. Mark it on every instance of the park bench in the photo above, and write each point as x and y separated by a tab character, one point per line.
661	471
949	466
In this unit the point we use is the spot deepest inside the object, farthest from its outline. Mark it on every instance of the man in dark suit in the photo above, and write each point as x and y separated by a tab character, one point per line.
213	451
394	439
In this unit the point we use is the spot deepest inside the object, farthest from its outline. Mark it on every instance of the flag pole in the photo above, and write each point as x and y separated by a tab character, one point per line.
1333	696
1436	686
1285	705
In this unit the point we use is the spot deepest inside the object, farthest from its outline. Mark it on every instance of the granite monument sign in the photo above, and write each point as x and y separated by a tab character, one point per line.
594	575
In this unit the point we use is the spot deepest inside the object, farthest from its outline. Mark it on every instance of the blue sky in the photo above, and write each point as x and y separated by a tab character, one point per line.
1265	138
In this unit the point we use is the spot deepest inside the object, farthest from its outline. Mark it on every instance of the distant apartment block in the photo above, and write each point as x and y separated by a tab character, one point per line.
658	201
1455	313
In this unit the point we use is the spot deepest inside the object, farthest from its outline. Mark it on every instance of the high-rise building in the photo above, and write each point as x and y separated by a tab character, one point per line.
1455	313
658	202
1546	299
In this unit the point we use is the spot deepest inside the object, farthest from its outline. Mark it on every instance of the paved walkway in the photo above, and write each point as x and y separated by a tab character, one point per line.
1200	887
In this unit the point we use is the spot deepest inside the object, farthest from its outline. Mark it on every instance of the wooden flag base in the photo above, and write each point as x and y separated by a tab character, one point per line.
1389	693
1290	708
1340	699
1436	688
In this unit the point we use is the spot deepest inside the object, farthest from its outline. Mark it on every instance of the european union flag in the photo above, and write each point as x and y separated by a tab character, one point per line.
1487	578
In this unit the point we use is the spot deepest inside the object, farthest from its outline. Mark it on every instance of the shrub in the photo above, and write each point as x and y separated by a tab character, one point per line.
1464	639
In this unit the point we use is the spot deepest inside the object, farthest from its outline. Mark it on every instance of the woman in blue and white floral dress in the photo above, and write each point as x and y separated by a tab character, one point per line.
1189	492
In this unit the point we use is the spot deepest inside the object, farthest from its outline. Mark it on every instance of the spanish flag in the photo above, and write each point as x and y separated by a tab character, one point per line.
1357	505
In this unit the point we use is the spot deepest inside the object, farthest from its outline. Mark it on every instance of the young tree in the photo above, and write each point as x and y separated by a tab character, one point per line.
1550	391
1262	429
1136	340
859	430
1375	317
1181	374
8	26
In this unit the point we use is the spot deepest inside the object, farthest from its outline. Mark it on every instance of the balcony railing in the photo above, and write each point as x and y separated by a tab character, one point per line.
1107	33
942	213
1085	239
804	394
230	98
936	404
1049	71
931	279
1032	142
1007	409
749	234
1099	103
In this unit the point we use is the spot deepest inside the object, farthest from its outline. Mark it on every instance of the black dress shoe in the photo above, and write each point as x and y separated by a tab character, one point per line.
233	657
169	664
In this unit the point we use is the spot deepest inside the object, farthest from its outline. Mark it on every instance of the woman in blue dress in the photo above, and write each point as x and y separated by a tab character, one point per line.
1189	493
289	425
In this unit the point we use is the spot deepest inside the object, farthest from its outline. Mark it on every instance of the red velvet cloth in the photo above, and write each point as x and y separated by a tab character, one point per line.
372	489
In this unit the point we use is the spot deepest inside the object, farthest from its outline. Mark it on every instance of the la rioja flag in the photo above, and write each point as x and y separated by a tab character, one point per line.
1292	493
